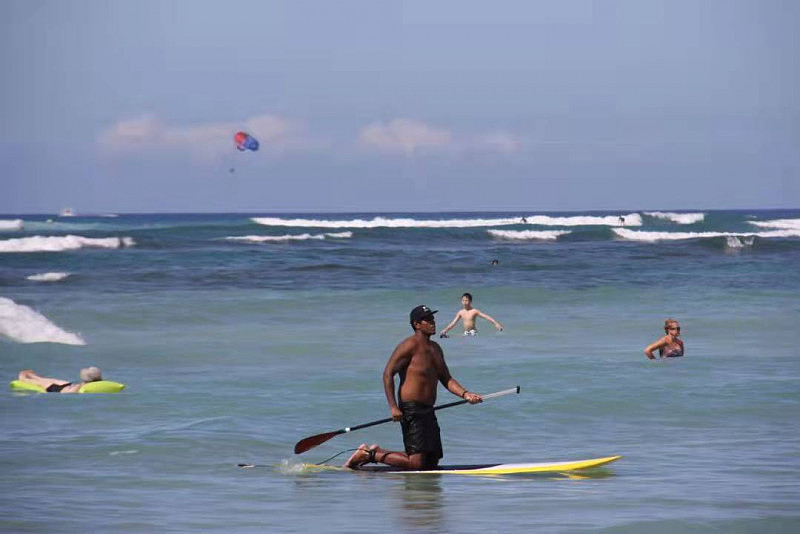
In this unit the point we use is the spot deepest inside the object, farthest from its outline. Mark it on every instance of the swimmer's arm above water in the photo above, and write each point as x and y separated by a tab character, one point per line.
490	319
648	351
447	328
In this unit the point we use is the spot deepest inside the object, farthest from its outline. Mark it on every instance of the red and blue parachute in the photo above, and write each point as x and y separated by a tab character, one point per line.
245	141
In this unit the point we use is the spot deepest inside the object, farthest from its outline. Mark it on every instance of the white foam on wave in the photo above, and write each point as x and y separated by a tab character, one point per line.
11	224
47	277
126	451
786	224
548	235
739	241
40	243
635	235
25	325
680	218
383	222
633	219
285	238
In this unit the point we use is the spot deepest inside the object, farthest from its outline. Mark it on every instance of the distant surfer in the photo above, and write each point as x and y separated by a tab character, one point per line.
495	263
467	316
621	220
669	346
55	385
420	364
524	220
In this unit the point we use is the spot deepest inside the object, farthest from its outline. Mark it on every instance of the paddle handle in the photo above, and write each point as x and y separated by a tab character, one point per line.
440	407
487	396
312	441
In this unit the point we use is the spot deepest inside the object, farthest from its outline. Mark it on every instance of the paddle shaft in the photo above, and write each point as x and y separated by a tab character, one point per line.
310	442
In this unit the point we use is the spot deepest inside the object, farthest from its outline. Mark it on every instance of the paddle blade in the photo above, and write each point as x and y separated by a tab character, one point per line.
310	442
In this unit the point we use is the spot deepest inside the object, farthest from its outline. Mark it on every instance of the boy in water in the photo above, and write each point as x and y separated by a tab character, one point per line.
467	316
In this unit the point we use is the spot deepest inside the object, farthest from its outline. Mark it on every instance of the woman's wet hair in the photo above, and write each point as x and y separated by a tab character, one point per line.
668	322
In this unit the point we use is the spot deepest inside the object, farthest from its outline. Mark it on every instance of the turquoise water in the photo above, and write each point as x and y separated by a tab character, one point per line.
233	350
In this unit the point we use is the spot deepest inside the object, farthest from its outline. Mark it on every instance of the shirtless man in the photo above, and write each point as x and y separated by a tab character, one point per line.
467	316
55	385
421	366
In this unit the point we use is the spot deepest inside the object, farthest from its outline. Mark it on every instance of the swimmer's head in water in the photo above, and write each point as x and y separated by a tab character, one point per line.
91	374
671	324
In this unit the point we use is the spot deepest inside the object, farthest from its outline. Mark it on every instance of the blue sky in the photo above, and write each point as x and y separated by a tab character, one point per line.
111	106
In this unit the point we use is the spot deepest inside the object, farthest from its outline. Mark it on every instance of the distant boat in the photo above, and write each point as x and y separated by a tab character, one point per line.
66	212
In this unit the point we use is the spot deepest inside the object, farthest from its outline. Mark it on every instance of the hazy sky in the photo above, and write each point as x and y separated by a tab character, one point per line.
130	106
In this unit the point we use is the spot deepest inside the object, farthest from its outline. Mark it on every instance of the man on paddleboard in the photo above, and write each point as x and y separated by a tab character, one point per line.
421	366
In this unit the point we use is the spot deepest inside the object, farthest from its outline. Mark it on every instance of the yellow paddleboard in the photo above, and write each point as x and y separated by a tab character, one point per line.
482	469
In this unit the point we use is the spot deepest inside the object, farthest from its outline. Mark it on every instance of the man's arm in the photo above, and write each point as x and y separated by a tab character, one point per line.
451	325
490	319
398	361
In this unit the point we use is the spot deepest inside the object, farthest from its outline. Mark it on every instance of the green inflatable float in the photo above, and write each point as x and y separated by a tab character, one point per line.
99	386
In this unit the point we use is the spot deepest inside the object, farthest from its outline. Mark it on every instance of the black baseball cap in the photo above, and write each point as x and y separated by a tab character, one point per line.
420	312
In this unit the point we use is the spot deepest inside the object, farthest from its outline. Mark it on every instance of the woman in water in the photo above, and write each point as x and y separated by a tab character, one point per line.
55	385
669	346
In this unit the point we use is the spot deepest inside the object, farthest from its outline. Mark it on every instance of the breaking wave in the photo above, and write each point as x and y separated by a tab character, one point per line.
740	241
548	235
786	224
285	238
11	224
635	235
25	325
632	219
61	243
680	218
47	277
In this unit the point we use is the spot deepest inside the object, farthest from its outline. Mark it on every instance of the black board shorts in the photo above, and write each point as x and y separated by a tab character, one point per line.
421	431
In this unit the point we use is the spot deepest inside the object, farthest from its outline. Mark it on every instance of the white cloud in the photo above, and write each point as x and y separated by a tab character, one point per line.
503	142
214	140
411	137
149	133
404	136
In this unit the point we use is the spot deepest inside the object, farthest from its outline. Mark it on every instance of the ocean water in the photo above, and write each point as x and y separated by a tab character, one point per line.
239	334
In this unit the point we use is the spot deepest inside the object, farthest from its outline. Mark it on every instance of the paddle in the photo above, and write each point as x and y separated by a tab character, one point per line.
312	441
